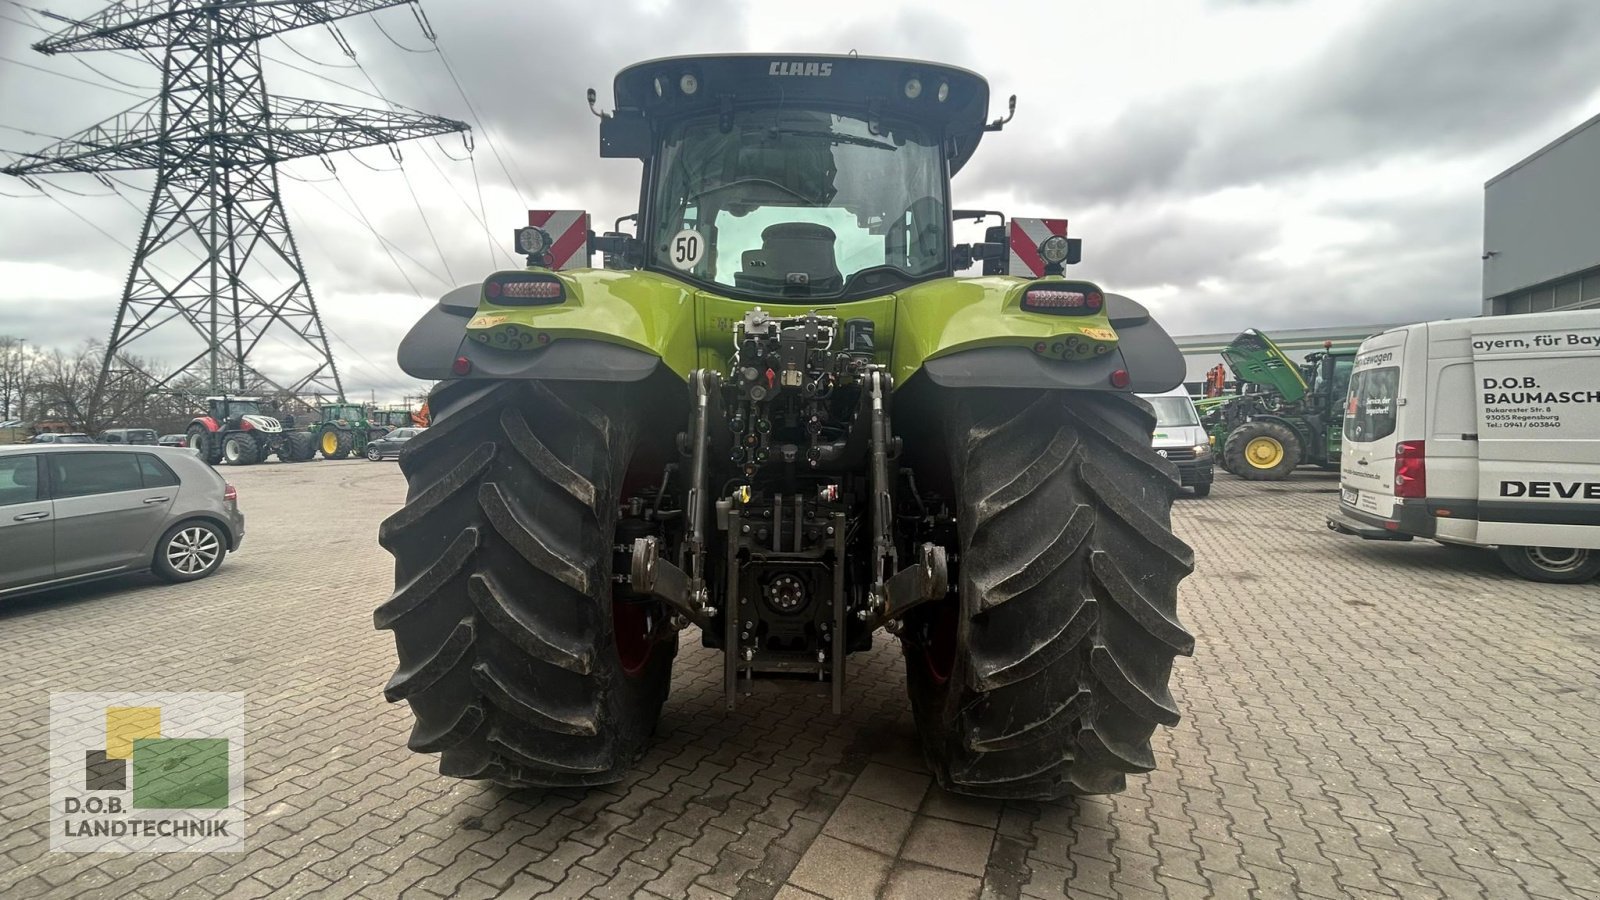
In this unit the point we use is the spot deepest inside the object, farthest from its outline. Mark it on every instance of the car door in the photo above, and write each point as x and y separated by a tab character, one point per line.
27	526
105	517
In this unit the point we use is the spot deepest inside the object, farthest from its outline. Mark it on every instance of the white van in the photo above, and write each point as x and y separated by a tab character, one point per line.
1179	437
1482	432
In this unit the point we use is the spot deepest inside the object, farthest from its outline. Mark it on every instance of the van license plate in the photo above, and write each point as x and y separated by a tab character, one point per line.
1349	495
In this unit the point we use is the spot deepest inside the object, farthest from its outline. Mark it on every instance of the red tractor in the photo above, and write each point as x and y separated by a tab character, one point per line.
235	429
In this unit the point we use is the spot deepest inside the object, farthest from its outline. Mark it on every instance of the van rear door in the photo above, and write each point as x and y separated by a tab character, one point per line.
1366	463
1538	399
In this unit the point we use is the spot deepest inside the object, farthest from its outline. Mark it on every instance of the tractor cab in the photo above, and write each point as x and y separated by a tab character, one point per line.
233	413
347	414
795	179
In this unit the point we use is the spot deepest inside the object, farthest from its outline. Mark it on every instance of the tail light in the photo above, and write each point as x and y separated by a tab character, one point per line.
522	289
230	493
1063	298
1410	470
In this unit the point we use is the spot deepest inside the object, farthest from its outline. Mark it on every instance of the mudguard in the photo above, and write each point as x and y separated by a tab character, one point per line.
1143	348
613	326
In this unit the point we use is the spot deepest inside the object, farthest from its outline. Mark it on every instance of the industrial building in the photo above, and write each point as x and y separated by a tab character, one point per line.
1541	228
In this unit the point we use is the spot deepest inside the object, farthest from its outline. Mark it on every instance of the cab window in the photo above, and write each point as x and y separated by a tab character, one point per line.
82	474
19	480
1370	412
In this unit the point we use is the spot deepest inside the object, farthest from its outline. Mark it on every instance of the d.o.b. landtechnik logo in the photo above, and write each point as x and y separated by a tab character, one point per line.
158	772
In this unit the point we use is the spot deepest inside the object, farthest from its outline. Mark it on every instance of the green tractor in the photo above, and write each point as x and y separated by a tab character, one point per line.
343	429
777	422
1285	415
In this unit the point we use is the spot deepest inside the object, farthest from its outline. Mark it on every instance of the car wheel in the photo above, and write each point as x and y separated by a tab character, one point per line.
374	454
1553	565
190	551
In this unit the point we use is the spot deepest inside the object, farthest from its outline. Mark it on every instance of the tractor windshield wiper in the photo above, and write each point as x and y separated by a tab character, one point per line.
836	137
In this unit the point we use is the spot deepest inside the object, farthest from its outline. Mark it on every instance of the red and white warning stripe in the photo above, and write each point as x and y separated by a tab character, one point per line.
569	235
1026	236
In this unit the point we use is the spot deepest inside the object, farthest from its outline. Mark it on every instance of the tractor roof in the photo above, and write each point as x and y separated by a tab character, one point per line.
861	85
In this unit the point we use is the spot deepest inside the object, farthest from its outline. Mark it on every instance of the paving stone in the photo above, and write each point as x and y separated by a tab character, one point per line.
876	826
910	881
841	871
896	787
1359	720
949	845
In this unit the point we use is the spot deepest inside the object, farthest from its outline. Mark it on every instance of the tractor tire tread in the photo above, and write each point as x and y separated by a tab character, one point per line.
1069	618
506	652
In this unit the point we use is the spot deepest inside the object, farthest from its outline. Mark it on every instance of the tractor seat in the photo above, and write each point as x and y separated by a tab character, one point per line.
792	254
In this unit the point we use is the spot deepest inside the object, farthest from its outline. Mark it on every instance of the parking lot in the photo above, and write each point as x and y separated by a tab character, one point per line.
1359	720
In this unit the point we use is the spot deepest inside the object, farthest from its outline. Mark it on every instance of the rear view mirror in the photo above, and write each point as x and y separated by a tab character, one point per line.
625	134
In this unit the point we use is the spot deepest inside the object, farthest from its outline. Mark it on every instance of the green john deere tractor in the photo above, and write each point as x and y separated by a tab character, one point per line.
343	429
1285	415
776	421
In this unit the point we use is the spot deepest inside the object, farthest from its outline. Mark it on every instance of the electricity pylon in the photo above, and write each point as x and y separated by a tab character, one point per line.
216	253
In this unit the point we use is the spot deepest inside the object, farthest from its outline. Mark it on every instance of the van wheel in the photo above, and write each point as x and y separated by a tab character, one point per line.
1262	451
1554	565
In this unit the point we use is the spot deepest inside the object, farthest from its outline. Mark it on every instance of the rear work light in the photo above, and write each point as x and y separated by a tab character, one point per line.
1064	298
523	290
1410	470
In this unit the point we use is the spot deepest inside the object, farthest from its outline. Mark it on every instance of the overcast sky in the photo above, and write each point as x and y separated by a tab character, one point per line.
1276	163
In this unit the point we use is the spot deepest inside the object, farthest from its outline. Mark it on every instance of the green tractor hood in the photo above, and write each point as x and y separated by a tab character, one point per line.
1254	358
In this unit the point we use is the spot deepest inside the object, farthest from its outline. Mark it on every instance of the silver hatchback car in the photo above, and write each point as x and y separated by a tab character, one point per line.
73	513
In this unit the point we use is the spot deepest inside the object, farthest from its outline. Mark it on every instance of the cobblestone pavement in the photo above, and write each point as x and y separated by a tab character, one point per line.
1359	720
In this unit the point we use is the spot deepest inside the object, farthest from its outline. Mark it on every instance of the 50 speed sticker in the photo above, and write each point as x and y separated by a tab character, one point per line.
688	247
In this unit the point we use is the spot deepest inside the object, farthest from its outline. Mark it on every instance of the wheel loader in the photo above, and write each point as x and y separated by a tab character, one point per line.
776	422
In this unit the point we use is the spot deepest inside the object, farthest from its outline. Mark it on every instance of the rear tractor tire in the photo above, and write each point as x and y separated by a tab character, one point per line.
335	443
509	647
1045	673
1262	451
297	446
207	444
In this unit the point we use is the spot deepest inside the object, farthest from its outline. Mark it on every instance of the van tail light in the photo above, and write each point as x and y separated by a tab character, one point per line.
230	493
1410	470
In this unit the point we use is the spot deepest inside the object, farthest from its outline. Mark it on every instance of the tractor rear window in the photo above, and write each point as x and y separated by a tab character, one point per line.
1370	411
797	203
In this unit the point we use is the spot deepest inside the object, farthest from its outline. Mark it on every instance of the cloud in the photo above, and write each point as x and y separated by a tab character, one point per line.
1275	163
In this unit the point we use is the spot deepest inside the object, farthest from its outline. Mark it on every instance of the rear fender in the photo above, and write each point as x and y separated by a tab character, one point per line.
975	336
611	326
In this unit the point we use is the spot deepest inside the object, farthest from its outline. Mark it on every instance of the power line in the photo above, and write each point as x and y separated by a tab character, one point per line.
68	77
478	120
217	187
378	22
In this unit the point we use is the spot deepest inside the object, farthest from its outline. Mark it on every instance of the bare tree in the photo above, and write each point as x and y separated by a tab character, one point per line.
15	374
67	386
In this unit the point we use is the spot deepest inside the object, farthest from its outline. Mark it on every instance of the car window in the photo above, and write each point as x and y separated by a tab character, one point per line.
1369	414
155	472
110	438
19	479
81	474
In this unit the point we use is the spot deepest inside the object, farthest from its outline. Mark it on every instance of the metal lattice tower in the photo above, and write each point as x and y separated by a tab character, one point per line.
216	253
